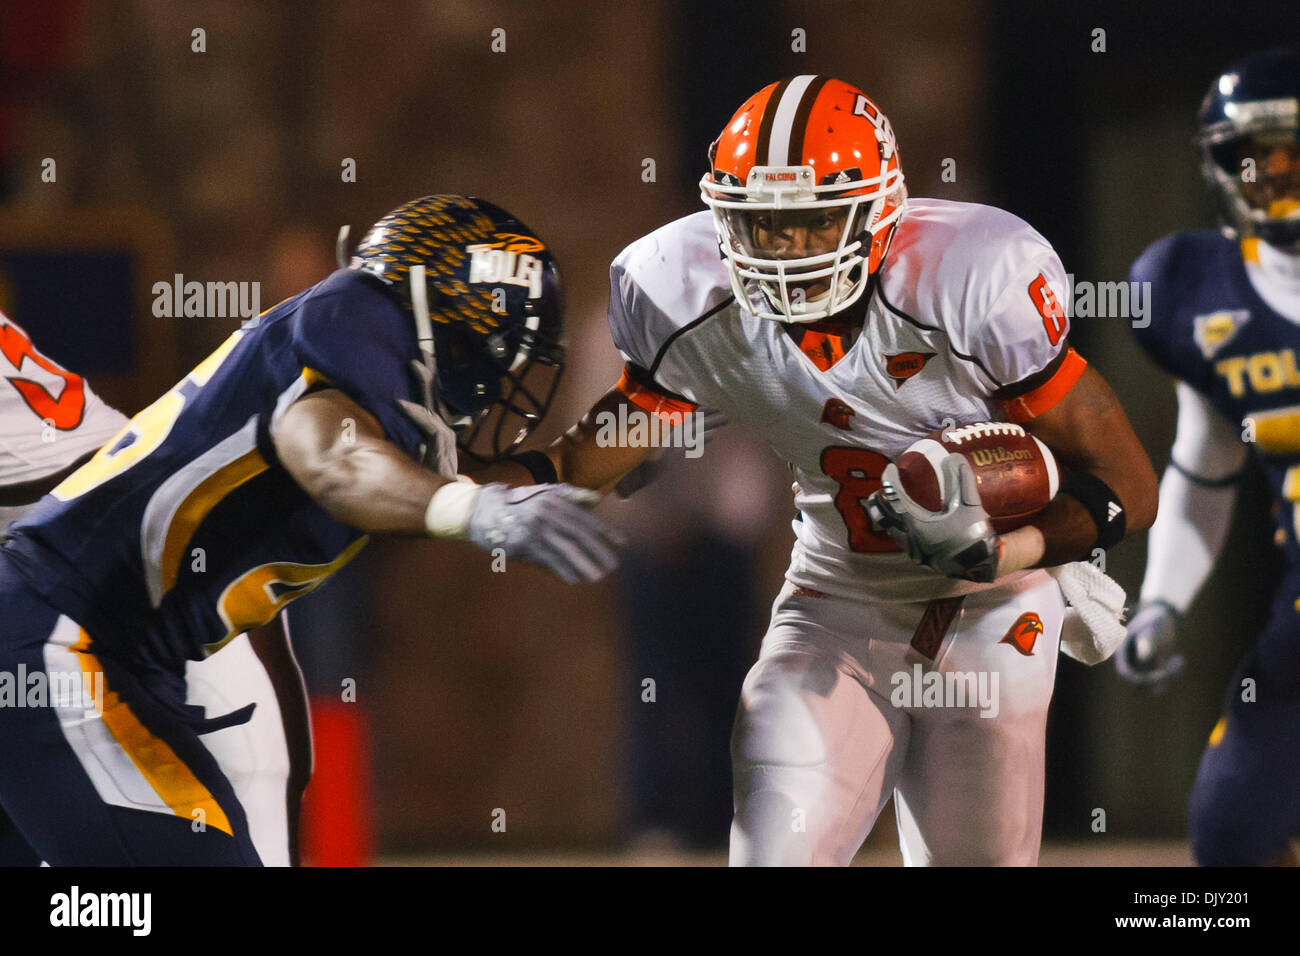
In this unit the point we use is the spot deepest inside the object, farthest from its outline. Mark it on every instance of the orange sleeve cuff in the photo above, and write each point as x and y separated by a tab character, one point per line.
669	409
1042	399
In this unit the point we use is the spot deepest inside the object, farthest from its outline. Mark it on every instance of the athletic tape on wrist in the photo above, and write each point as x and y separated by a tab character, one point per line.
449	509
1101	503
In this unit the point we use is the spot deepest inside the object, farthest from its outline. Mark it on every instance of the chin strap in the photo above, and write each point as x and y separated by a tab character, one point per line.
341	247
439	452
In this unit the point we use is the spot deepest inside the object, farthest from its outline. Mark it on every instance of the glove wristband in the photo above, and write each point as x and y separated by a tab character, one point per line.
1101	503
450	507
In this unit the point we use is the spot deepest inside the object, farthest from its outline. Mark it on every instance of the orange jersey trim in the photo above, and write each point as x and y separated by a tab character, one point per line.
1042	399
822	348
669	409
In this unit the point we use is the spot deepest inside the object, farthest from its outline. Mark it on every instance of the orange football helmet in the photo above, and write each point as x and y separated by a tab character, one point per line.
806	188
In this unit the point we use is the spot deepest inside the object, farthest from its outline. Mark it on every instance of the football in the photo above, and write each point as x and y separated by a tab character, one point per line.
1016	473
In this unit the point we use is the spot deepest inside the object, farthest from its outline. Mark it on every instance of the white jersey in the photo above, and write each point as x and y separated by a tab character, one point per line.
962	326
49	417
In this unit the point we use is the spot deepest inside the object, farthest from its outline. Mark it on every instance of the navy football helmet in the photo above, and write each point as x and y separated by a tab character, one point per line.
488	294
1250	145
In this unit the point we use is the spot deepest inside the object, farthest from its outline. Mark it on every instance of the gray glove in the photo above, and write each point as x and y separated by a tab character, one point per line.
957	541
439	452
1149	655
545	524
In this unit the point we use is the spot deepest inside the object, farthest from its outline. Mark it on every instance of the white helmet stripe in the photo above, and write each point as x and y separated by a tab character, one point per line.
778	146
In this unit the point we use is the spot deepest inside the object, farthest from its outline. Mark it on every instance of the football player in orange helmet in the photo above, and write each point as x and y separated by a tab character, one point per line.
842	322
806	189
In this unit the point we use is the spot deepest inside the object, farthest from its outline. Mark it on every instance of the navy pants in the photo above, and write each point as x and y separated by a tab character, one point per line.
1245	805
101	762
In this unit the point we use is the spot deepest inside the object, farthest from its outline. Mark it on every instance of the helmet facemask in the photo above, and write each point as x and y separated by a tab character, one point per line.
515	380
488	307
1253	163
797	251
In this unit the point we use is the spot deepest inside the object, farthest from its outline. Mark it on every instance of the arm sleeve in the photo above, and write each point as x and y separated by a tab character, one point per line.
355	339
635	325
1022	342
1196	498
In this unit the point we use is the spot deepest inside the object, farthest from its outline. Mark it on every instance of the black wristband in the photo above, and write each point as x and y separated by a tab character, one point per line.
1101	503
539	465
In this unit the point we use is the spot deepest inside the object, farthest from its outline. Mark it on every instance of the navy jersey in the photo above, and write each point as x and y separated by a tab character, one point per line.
1210	328
184	530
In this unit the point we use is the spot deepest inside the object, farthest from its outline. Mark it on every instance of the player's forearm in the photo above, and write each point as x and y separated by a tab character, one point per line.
1092	439
1187	538
372	487
1066	531
1062	532
583	458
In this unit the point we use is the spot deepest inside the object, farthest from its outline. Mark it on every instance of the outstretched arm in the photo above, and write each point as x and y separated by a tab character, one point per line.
577	456
352	471
337	453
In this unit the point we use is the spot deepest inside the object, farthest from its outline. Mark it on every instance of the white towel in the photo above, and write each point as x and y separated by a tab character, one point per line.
1093	628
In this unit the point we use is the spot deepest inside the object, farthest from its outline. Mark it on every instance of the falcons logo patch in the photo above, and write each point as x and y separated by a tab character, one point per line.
836	412
1024	633
904	365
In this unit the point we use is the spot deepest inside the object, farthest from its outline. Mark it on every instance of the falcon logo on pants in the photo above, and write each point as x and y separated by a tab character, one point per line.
1024	633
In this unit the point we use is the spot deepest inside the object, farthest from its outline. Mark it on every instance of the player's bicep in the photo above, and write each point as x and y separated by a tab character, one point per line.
317	431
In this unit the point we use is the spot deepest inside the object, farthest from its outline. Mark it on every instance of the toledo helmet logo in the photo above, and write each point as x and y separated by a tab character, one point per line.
508	261
514	242
1024	633
904	365
836	412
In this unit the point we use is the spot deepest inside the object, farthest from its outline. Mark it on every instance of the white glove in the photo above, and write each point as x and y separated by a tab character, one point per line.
1149	657
1093	627
958	540
544	524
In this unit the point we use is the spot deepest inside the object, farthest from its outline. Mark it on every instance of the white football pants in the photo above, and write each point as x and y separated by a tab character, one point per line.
256	757
943	704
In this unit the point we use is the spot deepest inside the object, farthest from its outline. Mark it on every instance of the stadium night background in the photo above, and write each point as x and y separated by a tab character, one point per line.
467	715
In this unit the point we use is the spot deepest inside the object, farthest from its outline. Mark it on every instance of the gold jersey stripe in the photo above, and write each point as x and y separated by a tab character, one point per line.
1278	432
169	776
1216	734
198	504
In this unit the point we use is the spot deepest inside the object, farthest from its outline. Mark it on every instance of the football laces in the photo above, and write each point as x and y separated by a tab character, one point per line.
979	430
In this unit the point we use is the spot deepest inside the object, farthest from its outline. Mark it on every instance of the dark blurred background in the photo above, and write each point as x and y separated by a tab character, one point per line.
484	691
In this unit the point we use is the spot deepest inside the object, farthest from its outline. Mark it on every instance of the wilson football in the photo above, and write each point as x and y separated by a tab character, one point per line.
1016	474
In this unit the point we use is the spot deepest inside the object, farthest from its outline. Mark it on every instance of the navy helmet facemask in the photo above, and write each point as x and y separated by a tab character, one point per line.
1249	138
